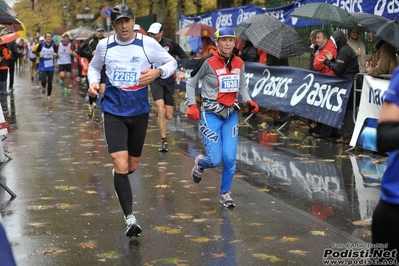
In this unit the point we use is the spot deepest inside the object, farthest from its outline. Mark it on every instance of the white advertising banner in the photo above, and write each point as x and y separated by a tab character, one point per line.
372	96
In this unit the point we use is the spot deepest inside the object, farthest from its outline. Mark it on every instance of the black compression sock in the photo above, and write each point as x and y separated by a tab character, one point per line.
122	188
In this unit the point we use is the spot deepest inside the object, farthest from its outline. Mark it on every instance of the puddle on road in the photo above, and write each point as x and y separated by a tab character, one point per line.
316	176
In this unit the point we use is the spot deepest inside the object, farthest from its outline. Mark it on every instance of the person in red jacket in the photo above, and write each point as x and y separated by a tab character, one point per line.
327	49
5	55
325	44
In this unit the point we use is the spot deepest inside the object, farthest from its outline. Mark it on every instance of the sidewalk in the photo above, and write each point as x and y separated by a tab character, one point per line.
66	211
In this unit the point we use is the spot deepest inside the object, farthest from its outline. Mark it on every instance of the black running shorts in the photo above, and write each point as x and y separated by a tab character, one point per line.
125	133
66	68
162	90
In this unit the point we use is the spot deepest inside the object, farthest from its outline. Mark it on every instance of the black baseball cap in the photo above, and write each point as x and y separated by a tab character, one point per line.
99	27
121	11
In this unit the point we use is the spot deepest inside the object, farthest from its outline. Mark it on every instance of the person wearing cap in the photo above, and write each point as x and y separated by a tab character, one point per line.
47	51
163	90
136	28
88	50
65	50
223	78
128	57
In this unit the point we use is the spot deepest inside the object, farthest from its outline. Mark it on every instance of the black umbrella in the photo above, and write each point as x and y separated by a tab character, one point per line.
371	22
389	32
6	18
276	38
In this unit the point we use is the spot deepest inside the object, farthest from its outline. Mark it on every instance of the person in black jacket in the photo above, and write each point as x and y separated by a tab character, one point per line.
163	89
12	47
249	53
344	66
88	50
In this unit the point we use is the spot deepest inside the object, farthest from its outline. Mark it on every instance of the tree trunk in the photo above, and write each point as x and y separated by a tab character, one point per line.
224	4
198	4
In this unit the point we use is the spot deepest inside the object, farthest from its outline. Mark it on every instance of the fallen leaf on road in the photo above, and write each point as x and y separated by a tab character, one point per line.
299	252
87	245
39	224
209	212
53	251
256	224
263	190
271	258
109	255
360	223
219	255
289	239
91	192
201	239
64	206
181	216
90	214
318	233
65	188
40	207
165	229
162	186
200	220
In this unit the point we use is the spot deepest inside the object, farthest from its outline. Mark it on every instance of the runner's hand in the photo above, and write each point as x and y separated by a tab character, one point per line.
253	106
148	76
93	90
193	112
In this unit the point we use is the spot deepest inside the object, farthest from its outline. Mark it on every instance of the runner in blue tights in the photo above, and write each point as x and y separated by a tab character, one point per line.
223	78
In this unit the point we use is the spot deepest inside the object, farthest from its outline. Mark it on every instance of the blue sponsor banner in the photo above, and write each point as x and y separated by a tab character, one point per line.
283	14
231	17
388	9
305	93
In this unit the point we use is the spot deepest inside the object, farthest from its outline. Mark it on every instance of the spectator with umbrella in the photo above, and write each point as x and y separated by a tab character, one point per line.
5	55
385	35
383	60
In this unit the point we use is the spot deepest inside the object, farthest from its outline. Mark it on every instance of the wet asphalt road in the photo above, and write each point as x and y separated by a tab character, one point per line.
295	195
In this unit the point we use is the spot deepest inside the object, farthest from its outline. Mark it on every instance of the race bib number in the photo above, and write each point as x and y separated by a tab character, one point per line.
229	83
126	78
48	63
